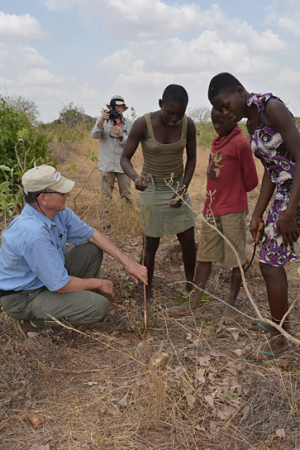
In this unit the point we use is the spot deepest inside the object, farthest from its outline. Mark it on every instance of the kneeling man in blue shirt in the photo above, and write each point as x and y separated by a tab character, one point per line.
41	279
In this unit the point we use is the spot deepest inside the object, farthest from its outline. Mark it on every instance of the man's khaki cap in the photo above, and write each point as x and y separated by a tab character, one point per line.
42	177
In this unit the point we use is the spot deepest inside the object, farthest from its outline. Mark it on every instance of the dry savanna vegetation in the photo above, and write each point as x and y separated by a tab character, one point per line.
182	384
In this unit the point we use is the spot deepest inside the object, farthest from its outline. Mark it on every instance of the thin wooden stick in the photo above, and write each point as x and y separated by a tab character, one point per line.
145	293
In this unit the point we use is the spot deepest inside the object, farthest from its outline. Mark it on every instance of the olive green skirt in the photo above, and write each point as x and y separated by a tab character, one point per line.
158	217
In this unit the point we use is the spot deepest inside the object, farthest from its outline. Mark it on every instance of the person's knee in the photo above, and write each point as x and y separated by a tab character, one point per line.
92	308
187	241
151	245
236	272
266	269
100	307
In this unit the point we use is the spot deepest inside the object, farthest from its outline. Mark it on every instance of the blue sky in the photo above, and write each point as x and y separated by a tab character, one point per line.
54	52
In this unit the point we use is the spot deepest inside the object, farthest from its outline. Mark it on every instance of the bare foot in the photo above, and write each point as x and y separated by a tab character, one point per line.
228	316
260	326
263	326
270	350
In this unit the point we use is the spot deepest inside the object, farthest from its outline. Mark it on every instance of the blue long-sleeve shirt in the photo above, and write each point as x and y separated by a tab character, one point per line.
33	246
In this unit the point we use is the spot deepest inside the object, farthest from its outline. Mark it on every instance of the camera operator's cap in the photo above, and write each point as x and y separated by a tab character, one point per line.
42	177
117	100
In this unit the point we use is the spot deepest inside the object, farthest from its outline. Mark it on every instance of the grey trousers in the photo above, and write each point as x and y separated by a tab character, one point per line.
107	186
77	308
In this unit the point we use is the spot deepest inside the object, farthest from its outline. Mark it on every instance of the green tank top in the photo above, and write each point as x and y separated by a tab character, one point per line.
163	161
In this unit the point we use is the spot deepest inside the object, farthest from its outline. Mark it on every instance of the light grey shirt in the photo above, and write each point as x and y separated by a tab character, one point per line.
111	147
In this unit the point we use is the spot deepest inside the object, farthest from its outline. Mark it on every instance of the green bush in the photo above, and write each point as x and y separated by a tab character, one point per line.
22	145
71	127
206	133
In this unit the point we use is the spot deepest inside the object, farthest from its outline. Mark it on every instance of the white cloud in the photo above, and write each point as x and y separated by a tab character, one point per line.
175	56
20	28
263	42
50	92
143	19
40	78
153	18
286	15
31	57
290	25
178	43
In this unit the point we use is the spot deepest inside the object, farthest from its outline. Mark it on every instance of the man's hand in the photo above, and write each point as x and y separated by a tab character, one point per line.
117	131
104	116
136	271
106	288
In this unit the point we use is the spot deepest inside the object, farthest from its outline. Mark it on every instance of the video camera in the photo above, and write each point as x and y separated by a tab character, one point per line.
114	114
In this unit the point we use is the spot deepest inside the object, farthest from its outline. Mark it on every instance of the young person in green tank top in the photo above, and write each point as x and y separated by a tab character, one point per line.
164	134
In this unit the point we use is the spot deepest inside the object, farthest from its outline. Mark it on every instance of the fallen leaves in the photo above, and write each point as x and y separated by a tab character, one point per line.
280	432
33	419
200	376
123	401
210	400
160	359
40	447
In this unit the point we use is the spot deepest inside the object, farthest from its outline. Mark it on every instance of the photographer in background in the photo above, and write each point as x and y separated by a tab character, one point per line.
112	129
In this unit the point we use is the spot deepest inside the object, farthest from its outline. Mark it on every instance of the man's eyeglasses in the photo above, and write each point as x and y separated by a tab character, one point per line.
52	192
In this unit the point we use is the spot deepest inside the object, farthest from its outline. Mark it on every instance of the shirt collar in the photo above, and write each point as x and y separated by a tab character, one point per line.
30	211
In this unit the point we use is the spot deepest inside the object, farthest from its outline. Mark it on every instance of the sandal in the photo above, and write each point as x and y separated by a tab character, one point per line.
25	327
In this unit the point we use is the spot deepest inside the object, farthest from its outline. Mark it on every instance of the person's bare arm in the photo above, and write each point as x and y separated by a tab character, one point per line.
137	133
191	152
266	192
133	269
98	128
277	115
105	287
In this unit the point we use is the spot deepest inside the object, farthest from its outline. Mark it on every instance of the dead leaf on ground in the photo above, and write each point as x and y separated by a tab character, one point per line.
280	432
231	367
213	431
235	335
210	400
33	419
190	400
189	337
204	361
123	401
245	412
216	354
160	359
238	352
40	447
226	412
91	383
199	376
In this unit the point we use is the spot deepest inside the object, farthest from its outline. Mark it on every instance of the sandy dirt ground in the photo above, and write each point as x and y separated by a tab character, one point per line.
180	384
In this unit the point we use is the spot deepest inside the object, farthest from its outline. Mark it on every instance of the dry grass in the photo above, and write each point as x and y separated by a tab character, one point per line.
100	388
